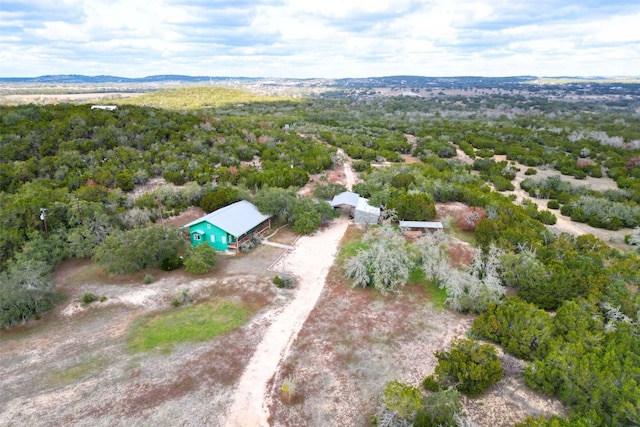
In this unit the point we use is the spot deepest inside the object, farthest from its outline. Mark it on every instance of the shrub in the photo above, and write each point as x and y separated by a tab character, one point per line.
546	217
251	243
633	239
26	291
88	298
201	259
148	278
219	197
172	262
470	218
288	389
430	383
519	327
470	366
136	249
446	152
306	222
403	180
283	282
403	399
327	191
181	298
553	204
383	264
501	183
531	171
413	207
439	409
484	153
361	166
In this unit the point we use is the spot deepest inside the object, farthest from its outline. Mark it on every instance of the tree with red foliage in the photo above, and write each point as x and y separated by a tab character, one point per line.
470	218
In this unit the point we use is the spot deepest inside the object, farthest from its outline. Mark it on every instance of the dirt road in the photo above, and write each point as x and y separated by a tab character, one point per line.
349	174
309	262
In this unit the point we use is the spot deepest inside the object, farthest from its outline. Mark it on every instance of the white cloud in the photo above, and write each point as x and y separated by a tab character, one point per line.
335	38
617	29
61	31
346	8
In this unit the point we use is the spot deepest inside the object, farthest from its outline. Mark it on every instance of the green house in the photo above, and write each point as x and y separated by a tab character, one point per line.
228	227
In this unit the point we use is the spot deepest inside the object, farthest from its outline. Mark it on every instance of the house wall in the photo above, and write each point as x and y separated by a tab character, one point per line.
361	217
214	236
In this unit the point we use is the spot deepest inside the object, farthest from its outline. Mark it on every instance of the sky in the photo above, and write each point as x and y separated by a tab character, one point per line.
320	38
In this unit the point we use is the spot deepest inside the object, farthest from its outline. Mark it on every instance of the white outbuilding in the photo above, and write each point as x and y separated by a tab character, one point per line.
363	213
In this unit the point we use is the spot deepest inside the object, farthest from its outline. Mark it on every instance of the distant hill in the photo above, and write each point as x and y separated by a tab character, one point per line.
189	98
78	79
358	82
613	87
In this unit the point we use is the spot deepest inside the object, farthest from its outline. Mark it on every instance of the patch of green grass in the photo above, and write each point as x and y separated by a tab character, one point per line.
77	372
438	296
435	294
87	273
465	236
350	249
186	324
416	276
351	243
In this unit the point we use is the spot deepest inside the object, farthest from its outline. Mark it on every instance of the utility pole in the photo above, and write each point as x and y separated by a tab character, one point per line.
43	217
292	184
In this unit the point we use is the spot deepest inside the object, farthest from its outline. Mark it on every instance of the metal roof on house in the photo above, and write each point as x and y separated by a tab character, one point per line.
236	218
345	198
421	224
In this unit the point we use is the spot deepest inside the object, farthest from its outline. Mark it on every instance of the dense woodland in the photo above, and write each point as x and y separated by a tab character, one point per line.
576	316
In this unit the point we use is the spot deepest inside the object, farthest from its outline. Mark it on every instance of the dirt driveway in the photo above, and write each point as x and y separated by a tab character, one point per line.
309	261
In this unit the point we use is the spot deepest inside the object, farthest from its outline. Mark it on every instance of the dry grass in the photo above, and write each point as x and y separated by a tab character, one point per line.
284	235
90	366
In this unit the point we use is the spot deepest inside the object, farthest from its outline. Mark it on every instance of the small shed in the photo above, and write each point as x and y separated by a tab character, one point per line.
420	226
228	227
363	213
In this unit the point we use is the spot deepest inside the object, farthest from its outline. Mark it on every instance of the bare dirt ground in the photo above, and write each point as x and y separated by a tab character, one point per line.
74	367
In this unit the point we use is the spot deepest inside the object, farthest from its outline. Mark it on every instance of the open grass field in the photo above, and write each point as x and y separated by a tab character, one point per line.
194	323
